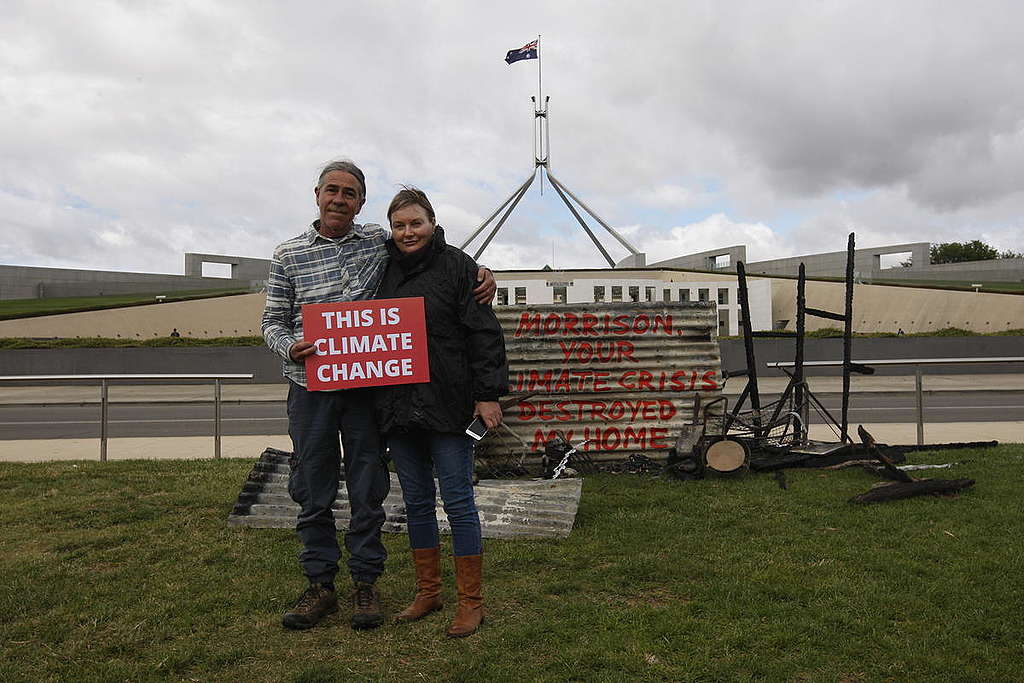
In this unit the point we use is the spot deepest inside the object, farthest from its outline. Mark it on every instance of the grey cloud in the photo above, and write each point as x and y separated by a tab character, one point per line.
198	126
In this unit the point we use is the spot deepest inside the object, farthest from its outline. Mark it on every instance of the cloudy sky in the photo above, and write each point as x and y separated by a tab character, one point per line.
132	132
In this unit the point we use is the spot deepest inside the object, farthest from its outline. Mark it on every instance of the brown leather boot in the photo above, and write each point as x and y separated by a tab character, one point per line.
470	612
428	585
313	605
367	611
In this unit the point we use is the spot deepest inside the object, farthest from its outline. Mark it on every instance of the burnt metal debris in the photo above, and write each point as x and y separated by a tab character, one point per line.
580	367
769	437
902	485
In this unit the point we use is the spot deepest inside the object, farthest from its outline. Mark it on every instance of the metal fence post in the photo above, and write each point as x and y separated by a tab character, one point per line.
920	405
103	420
216	419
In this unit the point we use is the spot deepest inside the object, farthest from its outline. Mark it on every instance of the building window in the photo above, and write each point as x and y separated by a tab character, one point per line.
558	295
503	296
723	296
598	293
684	295
702	294
634	293
723	322
520	296
666	295
616	293
649	293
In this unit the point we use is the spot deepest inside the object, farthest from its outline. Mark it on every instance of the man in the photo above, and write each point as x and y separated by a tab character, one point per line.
334	260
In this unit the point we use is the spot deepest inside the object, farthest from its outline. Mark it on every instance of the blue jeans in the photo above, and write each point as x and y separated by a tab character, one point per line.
416	454
315	419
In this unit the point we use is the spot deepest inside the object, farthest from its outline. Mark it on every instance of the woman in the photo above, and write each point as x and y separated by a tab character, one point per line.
425	423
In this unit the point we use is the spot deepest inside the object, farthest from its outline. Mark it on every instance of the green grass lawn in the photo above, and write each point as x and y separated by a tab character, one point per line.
29	308
128	571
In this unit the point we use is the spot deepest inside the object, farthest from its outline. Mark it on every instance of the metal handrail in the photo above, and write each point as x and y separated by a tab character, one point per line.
901	361
29	378
105	379
918	381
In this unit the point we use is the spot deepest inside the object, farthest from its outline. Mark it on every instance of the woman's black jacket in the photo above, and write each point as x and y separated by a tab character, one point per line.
466	348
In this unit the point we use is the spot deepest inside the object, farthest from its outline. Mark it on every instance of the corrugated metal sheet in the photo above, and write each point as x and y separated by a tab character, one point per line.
508	509
623	375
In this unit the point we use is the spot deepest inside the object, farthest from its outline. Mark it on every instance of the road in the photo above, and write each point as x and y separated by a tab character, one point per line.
196	419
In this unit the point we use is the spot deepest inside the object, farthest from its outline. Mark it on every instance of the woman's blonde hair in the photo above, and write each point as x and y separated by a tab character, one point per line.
411	196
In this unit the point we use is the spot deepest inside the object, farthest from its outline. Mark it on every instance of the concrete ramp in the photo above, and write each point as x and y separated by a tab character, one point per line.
508	508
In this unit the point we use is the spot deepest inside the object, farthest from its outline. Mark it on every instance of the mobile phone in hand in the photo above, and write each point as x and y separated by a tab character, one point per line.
477	429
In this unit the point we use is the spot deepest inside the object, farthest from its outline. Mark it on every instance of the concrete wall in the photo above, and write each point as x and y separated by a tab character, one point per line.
992	270
633	261
704	260
580	287
267	367
29	282
242	268
866	262
877	308
881	308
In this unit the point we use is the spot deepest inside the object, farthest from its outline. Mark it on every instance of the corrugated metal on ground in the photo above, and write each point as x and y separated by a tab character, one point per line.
508	509
623	375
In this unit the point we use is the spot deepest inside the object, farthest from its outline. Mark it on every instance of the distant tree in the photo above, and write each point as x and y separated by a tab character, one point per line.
1011	254
957	252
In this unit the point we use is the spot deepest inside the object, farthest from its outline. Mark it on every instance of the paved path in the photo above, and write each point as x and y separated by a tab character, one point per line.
32	450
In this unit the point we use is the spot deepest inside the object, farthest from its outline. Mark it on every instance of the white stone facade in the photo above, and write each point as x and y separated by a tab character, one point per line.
519	288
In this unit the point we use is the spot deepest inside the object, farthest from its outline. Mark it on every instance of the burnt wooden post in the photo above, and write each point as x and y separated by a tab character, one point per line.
846	317
748	346
847	340
794	388
798	361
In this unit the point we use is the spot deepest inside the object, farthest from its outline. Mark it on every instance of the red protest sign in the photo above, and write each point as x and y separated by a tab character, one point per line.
366	343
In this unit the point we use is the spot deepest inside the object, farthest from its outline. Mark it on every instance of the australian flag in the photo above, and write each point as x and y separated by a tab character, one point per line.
528	51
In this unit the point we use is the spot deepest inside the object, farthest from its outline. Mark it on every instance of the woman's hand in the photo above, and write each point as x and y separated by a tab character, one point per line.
489	412
484	292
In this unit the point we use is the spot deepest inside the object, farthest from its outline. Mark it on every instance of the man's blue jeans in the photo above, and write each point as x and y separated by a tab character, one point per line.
315	419
416	454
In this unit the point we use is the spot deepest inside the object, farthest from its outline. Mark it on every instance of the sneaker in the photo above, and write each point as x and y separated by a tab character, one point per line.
313	605
366	609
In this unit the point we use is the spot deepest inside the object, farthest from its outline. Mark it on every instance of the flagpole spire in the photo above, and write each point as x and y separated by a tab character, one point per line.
542	163
540	114
540	91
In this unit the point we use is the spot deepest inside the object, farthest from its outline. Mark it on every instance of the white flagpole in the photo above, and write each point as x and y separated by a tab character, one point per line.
540	92
540	122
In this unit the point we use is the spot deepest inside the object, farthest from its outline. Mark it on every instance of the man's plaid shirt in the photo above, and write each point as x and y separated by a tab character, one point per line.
313	269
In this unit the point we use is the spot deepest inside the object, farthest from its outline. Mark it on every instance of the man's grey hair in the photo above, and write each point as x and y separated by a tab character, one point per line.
345	166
